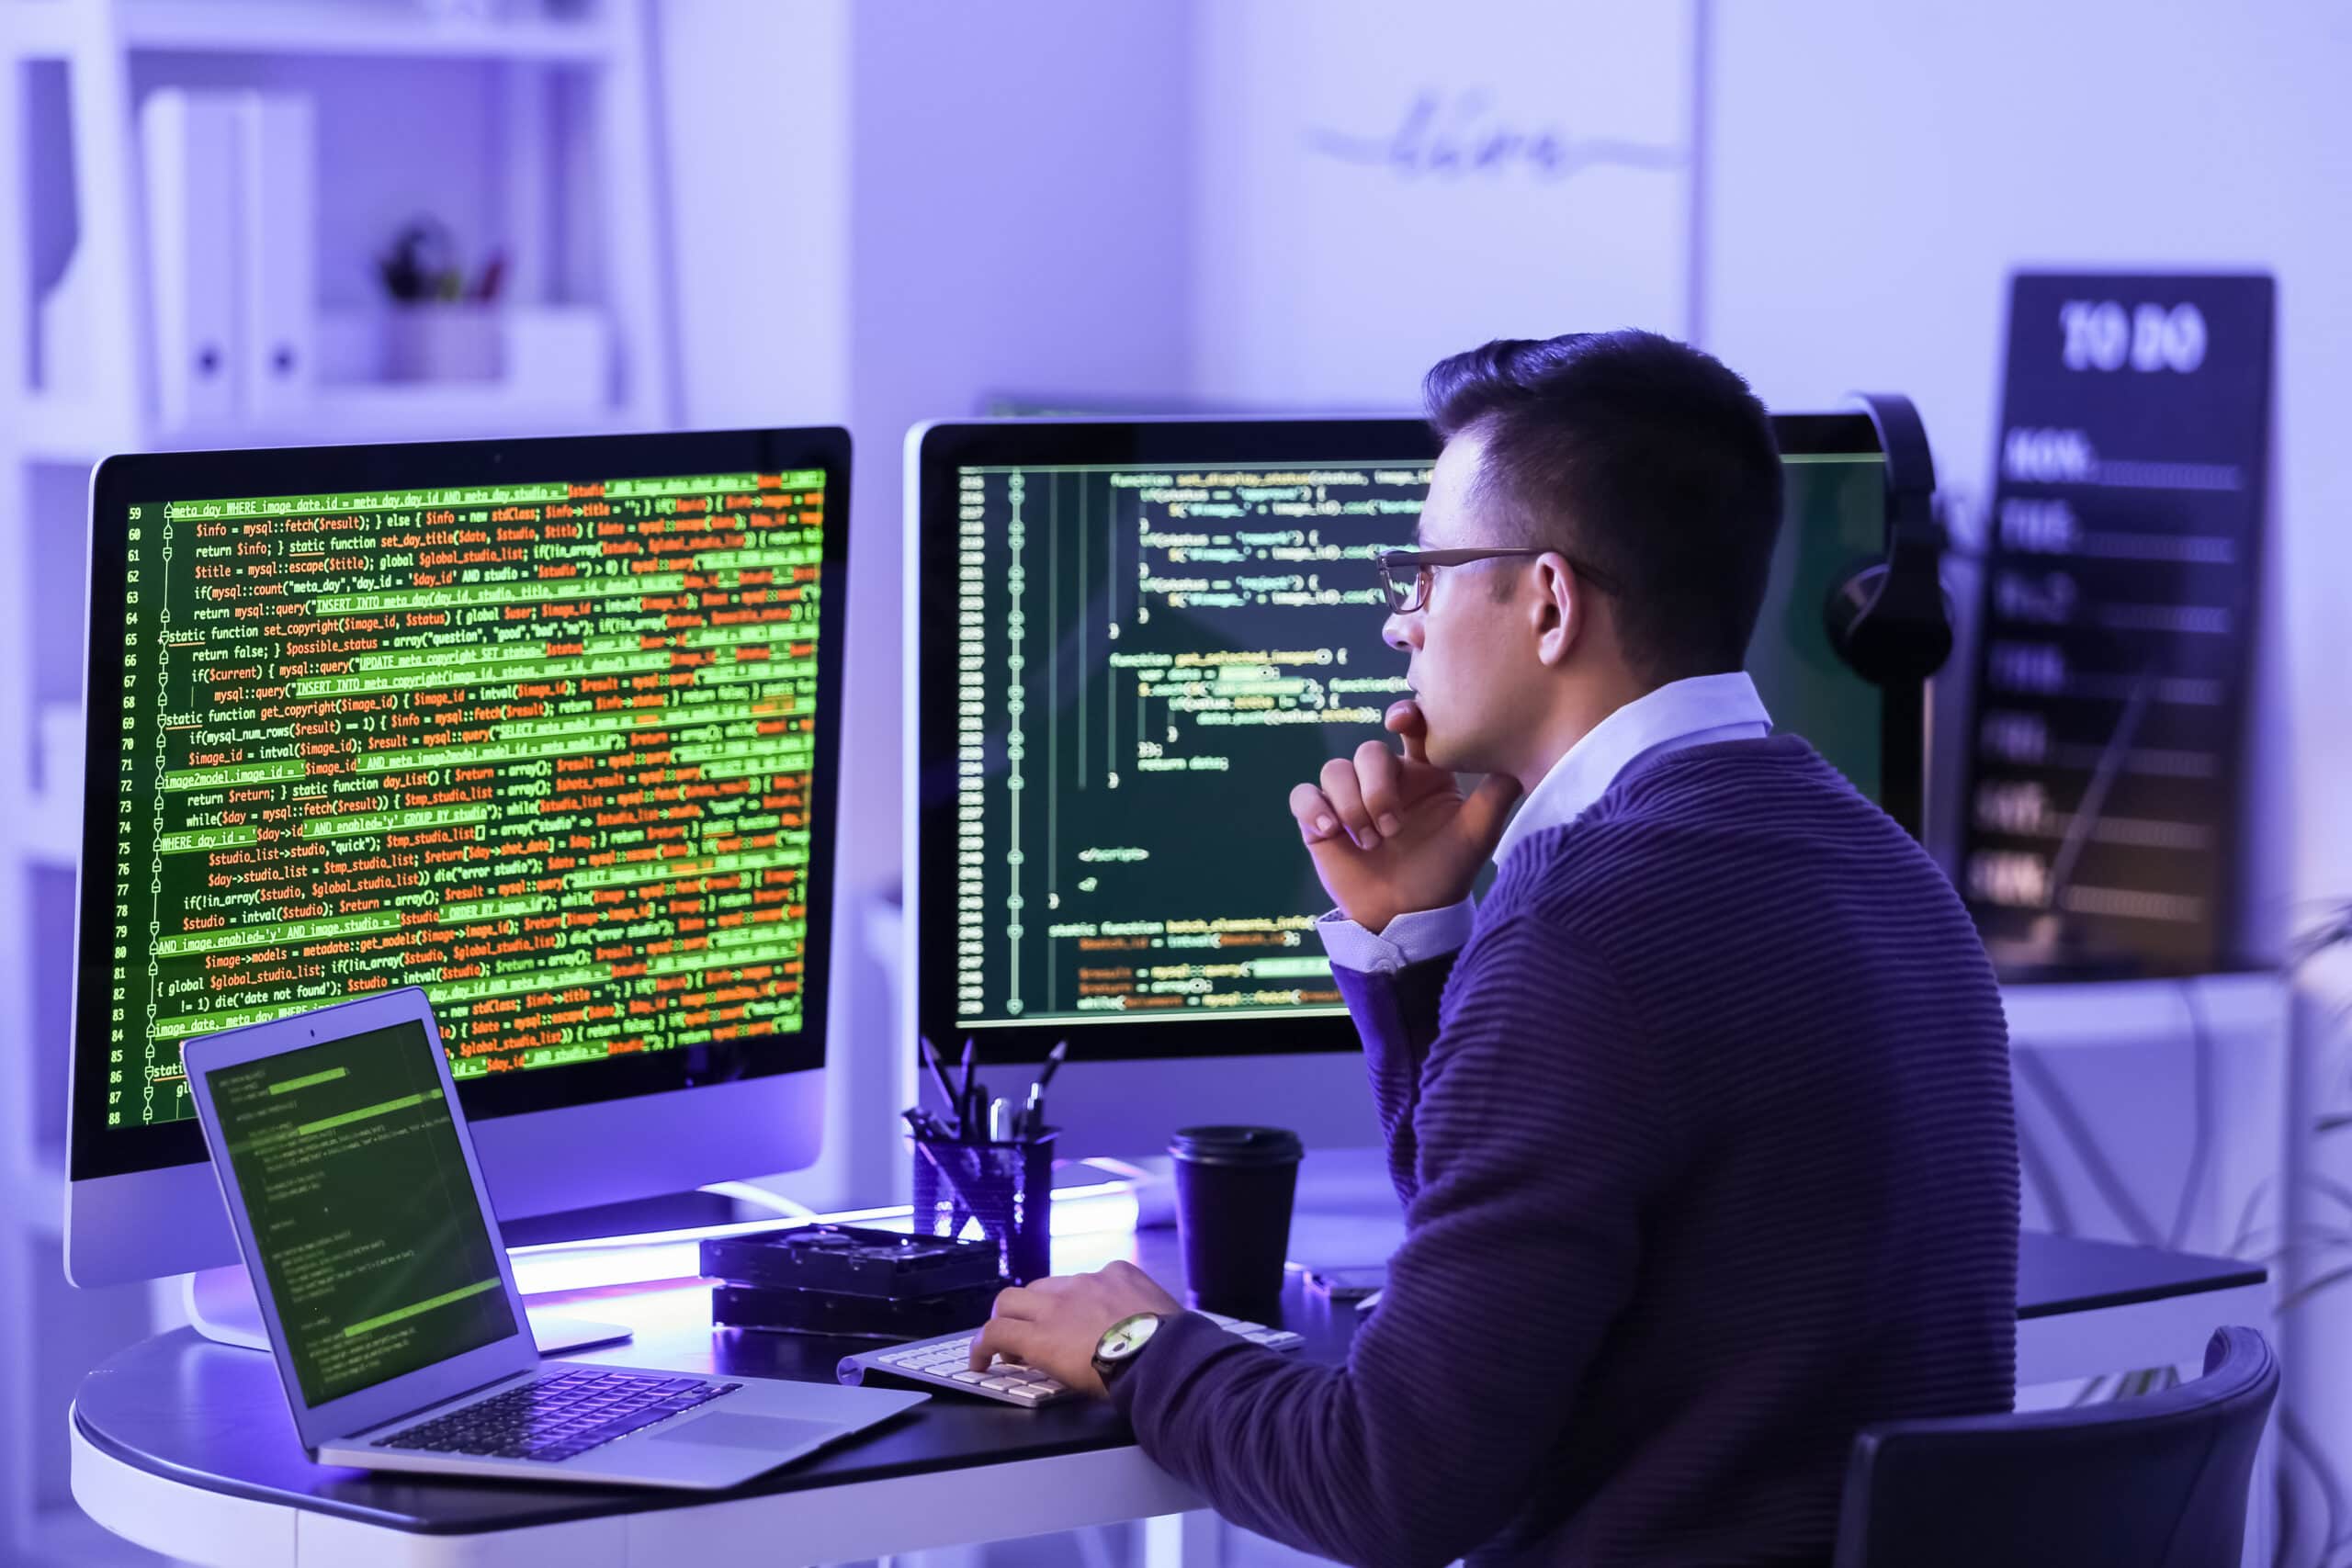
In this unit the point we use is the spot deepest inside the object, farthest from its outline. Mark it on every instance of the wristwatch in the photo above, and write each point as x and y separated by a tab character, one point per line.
1122	1343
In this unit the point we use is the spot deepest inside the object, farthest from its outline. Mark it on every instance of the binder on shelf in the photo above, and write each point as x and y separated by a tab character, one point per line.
193	151
278	252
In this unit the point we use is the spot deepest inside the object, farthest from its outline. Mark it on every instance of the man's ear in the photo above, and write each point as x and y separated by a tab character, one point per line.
1558	613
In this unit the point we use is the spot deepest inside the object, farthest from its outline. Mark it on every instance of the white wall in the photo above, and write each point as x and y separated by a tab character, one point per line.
1382	183
1060	199
756	121
1877	170
1018	227
756	129
1871	175
887	214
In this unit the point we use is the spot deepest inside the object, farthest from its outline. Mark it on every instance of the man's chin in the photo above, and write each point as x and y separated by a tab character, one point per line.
1469	761
1442	752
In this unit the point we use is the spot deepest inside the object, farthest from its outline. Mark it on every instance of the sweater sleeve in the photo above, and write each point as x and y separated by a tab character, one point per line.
1396	1012
1524	1231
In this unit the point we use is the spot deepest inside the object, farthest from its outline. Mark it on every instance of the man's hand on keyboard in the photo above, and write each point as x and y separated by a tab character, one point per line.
1053	1325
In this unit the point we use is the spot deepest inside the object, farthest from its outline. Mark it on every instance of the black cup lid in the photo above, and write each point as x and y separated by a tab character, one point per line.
1236	1145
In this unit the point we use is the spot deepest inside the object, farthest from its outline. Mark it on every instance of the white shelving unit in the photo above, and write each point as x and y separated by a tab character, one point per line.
574	159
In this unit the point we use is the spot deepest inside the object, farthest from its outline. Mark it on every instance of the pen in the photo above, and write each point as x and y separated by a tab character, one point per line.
1052	1064
975	1114
1031	1119
938	1071
996	1120
966	1097
927	1126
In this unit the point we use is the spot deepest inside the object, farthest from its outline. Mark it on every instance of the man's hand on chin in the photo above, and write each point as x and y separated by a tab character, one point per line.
1053	1325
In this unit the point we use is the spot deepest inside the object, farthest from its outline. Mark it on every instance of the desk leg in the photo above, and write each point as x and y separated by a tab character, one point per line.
1182	1540
2262	1500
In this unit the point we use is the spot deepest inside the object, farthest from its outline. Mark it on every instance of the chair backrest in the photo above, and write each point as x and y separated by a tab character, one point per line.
2157	1481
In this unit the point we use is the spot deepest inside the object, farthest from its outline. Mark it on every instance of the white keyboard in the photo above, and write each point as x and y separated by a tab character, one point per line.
945	1362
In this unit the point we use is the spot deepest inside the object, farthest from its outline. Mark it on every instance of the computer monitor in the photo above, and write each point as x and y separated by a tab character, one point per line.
1129	641
547	727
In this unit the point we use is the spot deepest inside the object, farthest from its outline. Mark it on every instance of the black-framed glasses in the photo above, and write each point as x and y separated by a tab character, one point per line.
1406	575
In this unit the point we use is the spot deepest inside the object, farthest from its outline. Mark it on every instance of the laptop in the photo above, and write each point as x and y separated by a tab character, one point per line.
386	1293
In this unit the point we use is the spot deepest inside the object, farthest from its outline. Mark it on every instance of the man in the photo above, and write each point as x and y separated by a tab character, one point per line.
1702	1118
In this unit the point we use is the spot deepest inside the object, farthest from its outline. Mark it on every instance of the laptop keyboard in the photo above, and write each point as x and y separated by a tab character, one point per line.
555	1418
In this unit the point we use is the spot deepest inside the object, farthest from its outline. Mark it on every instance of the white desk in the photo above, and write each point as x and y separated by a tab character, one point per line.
185	1447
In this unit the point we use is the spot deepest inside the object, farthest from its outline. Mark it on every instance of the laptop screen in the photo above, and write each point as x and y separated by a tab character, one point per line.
362	1211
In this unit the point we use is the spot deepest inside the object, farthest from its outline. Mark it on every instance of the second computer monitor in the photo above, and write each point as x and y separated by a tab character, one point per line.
1128	642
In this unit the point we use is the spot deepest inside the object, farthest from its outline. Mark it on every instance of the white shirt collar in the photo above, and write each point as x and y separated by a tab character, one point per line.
1693	712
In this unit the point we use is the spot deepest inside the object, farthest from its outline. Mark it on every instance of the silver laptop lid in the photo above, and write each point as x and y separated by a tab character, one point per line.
360	1210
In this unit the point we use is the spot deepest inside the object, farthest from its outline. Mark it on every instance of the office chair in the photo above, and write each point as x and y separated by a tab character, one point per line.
2157	1481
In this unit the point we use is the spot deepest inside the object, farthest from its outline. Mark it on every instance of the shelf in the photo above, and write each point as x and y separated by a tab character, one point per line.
38	29
51	834
397	412
43	431
49	817
275	27
394	411
40	1195
71	431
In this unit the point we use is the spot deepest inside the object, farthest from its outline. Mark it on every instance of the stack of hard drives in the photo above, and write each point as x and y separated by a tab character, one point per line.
846	1279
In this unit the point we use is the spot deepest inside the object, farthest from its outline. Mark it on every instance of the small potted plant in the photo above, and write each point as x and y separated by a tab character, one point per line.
440	327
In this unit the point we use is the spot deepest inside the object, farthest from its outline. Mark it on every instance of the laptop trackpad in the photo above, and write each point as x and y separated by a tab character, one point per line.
777	1434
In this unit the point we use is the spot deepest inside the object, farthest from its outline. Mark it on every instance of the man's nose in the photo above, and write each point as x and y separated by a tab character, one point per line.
1402	633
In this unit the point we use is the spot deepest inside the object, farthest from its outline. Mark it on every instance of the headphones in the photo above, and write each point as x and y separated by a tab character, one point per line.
1888	618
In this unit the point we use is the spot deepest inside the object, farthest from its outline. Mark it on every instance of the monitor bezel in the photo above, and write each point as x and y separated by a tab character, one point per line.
94	1151
934	452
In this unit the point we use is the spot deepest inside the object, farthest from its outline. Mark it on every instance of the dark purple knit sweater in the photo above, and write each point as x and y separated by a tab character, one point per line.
1708	1160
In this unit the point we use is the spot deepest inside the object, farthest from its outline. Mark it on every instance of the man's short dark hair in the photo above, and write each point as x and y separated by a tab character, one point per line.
1640	458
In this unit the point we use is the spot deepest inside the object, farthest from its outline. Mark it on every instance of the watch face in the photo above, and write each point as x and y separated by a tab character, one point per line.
1126	1337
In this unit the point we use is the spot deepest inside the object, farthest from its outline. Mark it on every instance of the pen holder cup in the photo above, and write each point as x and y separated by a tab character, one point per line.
1005	1187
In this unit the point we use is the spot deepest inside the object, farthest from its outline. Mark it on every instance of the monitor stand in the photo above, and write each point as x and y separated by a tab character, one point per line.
221	1307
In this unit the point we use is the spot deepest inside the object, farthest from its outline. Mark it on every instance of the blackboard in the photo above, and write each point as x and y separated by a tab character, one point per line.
2120	601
